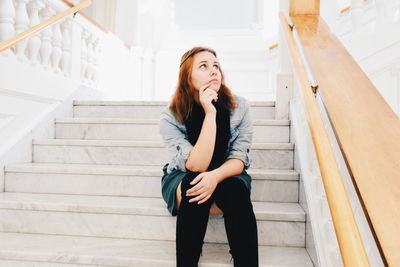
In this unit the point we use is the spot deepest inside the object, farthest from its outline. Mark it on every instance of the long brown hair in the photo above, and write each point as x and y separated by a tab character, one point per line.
183	98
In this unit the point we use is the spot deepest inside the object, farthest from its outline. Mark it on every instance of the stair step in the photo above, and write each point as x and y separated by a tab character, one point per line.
149	103
122	152
151	109
23	250
139	181
279	224
273	174
269	131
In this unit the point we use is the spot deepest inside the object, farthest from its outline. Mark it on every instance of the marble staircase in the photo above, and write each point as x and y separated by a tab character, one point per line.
92	196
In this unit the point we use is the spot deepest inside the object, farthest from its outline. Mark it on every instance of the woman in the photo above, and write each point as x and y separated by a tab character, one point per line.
209	131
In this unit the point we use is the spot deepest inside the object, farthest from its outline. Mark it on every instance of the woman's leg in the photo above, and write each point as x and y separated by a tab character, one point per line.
191	226
233	197
213	210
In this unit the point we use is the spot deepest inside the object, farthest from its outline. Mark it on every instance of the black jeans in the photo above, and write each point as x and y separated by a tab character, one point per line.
233	198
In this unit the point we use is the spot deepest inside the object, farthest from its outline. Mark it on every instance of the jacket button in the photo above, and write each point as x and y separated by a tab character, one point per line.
178	147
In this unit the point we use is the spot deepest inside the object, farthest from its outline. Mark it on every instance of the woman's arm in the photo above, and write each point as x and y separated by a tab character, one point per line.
201	154
230	168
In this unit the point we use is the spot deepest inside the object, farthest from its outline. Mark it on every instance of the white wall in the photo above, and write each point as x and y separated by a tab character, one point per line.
104	12
240	35
211	14
126	21
162	30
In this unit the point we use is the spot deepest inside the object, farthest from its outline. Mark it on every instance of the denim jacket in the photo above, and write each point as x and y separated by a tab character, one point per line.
177	141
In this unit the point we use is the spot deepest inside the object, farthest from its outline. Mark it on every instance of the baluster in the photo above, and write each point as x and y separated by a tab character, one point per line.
396	16
66	46
56	51
357	14
381	10
97	52
21	24
85	35
7	13
395	10
89	69
46	34
34	42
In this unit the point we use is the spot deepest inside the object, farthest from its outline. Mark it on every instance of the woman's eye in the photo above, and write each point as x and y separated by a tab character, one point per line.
216	66
202	66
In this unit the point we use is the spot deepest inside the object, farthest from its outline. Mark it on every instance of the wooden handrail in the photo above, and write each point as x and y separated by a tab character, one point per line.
343	10
350	243
366	127
273	46
35	29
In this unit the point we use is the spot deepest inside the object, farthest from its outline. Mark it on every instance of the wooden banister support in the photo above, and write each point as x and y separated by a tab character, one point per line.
310	7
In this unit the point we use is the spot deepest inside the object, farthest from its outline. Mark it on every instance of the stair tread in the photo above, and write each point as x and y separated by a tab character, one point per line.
125	143
90	120
130	252
143	170
276	211
149	103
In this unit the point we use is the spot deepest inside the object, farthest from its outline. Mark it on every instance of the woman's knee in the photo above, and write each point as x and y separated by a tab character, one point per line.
185	186
185	183
234	185
232	192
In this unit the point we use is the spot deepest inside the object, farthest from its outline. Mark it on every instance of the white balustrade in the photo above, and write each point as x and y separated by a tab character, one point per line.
72	42
52	47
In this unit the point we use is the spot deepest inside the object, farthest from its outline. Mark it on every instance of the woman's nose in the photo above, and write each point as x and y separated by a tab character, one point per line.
213	71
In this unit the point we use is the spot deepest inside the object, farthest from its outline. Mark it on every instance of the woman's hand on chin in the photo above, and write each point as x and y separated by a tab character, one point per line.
206	96
206	183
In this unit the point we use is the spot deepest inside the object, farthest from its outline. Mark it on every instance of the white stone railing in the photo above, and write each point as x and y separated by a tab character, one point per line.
73	39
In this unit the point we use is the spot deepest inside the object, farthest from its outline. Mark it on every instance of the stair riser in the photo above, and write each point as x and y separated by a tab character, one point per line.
149	112
136	186
118	262
262	158
274	233
147	132
23	263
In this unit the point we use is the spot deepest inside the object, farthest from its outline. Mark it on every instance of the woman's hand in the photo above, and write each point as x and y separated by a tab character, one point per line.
206	184
206	96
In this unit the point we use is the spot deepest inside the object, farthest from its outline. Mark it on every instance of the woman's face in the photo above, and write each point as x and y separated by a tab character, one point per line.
206	69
